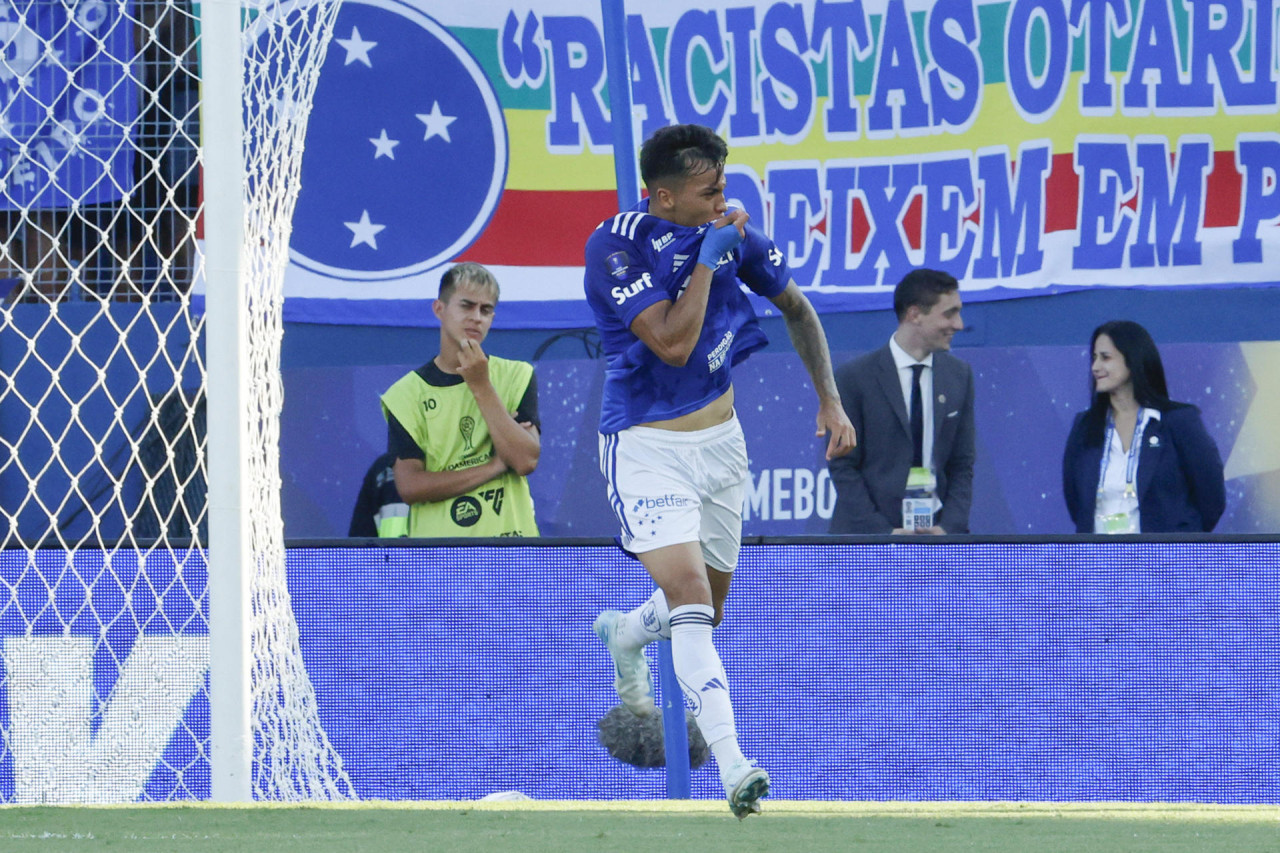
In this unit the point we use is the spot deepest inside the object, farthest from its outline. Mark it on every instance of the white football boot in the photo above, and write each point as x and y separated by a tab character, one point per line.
632	678
745	785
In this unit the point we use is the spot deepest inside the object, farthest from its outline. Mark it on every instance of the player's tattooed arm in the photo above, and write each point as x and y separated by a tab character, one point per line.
810	342
807	337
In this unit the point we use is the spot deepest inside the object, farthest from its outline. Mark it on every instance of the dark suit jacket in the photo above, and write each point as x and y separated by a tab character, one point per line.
871	480
1180	484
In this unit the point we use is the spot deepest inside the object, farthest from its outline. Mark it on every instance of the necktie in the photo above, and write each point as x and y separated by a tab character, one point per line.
917	417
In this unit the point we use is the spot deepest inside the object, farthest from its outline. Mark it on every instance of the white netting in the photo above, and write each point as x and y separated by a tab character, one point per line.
103	498
284	50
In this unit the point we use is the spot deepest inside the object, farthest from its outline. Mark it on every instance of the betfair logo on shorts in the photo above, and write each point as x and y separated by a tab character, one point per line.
663	502
622	294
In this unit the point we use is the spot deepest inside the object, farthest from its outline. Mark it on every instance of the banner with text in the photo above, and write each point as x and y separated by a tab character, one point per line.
1025	146
68	103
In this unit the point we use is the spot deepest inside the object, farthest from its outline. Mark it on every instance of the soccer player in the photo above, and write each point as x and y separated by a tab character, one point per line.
664	283
462	458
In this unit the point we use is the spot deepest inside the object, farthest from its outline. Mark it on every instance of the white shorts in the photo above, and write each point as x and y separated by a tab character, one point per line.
668	488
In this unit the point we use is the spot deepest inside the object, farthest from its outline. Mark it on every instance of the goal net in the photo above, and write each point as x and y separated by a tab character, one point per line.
104	454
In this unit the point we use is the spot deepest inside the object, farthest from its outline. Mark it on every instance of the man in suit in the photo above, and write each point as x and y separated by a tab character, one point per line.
911	405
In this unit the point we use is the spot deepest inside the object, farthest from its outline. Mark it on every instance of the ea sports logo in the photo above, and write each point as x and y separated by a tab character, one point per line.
465	511
406	148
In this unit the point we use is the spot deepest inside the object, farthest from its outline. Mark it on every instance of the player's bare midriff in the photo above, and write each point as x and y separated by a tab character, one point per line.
712	414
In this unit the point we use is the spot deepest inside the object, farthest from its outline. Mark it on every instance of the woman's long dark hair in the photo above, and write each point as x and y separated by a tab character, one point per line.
1146	371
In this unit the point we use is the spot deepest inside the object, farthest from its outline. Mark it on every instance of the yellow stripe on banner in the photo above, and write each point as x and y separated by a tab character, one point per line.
999	124
535	168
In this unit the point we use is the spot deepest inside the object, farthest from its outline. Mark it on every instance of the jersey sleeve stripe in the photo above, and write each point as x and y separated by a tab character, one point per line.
625	224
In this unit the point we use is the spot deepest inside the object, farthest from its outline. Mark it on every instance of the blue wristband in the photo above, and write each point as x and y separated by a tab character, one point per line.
716	243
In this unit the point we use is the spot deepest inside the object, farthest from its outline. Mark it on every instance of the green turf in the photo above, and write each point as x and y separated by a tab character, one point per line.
645	826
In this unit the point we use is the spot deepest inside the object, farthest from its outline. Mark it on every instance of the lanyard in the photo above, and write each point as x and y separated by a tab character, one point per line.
1135	447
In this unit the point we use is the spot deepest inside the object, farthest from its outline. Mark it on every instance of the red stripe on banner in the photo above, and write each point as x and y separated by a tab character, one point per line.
861	228
549	228
1222	192
537	228
912	220
1061	191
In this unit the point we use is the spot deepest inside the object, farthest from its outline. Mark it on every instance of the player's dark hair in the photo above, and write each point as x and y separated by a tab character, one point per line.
471	273
681	150
923	288
1146	371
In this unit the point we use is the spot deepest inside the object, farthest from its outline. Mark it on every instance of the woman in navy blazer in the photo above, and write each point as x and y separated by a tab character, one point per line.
1172	480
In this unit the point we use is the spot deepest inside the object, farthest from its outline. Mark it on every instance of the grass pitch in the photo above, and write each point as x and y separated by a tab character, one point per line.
702	826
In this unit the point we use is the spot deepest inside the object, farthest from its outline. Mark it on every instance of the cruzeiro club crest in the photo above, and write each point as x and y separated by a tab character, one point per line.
406	151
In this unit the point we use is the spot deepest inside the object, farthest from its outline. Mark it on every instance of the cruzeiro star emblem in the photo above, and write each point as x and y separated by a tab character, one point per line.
405	159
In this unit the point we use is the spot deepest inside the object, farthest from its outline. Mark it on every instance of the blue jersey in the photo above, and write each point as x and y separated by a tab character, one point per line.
634	260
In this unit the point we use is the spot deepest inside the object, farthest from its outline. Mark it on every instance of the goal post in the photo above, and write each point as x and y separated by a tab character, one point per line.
149	160
230	549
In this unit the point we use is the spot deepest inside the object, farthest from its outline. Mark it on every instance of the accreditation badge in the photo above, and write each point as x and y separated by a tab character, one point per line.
1116	522
920	503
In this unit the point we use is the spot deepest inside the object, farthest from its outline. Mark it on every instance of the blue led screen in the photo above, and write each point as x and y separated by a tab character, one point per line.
1141	671
1096	671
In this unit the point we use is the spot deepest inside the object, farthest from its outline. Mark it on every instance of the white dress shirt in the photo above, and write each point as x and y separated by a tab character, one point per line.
1116	492
904	363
